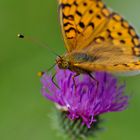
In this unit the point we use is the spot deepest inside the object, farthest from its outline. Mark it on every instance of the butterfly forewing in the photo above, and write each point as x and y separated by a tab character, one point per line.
81	21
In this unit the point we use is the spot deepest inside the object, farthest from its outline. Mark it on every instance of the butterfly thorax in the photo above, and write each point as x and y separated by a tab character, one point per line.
68	61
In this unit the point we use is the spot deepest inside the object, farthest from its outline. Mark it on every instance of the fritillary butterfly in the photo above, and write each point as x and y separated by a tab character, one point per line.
96	38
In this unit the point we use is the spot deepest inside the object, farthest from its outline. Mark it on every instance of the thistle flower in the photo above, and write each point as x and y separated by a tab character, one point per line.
86	102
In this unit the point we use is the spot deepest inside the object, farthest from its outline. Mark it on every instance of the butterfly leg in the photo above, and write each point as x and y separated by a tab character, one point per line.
97	82
73	77
54	81
40	74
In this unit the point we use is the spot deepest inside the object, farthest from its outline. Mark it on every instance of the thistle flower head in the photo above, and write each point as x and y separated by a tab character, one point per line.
86	101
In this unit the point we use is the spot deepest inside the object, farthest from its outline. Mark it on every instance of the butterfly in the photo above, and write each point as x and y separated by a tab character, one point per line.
96	39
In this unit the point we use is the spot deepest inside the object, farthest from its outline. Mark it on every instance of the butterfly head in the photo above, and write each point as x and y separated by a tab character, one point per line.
62	62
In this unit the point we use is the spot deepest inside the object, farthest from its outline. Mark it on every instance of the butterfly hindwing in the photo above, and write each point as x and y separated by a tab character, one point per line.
106	58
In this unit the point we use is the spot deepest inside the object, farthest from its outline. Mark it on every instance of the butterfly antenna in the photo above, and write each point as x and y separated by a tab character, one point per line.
21	36
51	67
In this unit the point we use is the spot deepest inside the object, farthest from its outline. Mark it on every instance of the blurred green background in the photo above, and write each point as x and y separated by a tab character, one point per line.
24	113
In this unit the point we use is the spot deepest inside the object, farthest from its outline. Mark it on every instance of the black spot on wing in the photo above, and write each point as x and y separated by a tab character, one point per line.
90	11
119	33
85	4
78	13
71	28
75	3
135	40
116	65
91	24
126	65
98	16
70	17
81	24
67	23
65	5
70	37
122	41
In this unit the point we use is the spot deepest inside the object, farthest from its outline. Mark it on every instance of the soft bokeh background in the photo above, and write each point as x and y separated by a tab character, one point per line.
24	113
